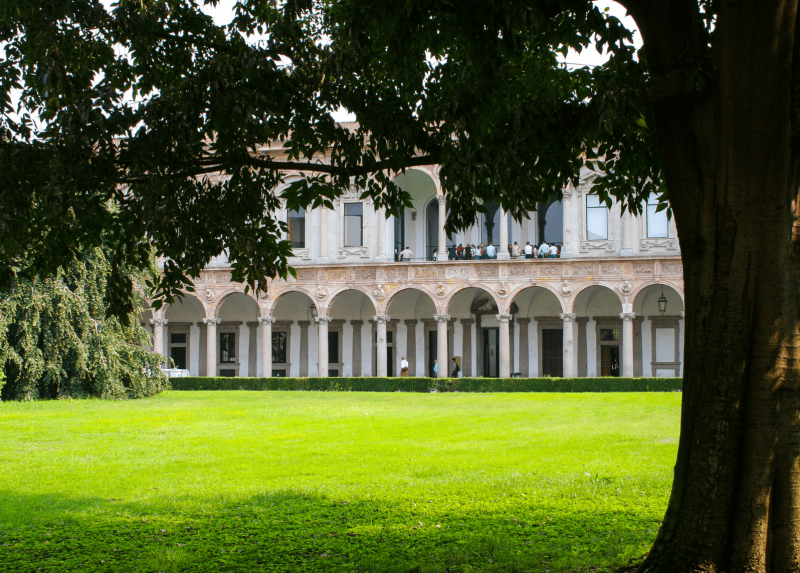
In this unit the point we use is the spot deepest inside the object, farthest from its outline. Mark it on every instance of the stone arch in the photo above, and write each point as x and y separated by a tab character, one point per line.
220	299
521	290
678	288
351	288
250	310
445	305
178	307
385	306
573	302
270	305
643	305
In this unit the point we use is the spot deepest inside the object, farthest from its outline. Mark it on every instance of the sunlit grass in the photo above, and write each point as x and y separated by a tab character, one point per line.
306	481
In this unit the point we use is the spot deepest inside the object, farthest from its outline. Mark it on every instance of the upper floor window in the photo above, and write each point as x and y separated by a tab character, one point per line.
353	224
596	219
297	229
657	222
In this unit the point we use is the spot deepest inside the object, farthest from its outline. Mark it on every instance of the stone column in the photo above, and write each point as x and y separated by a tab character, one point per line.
380	355
441	343
381	258
442	236
582	357
211	345
627	343
357	346
303	347
323	236
503	343
322	345
502	248
627	233
524	361
411	346
568	365
265	324
566	222
466	350
478	347
158	335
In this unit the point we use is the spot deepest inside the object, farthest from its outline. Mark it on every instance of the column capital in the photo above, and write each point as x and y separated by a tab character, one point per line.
381	318
159	321
411	321
441	198
503	317
356	322
212	321
627	315
266	320
303	323
441	317
322	319
567	316
683	314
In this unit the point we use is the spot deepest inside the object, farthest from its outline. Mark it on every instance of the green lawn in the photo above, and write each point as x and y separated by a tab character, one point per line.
309	481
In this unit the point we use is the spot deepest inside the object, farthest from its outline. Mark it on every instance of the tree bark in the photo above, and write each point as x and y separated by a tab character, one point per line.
731	174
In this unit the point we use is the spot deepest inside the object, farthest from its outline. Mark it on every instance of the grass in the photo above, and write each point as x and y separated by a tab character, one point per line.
307	481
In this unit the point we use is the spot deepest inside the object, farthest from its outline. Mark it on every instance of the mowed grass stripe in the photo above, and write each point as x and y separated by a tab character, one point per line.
307	481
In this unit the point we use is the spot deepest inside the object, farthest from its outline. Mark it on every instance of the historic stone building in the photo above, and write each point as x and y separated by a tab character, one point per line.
594	311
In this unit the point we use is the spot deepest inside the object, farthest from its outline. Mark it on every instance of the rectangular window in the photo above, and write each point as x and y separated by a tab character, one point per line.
227	347
279	347
596	219
657	222
177	338
353	219
607	334
297	229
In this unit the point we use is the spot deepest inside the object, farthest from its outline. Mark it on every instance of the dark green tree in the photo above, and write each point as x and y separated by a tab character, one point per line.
56	340
705	115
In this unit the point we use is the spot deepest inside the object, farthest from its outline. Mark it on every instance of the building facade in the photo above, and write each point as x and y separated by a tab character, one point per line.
594	311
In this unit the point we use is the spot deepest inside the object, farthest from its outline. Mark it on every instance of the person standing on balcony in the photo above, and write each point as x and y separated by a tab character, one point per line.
468	250
406	254
553	251
515	251
544	250
528	250
460	252
491	251
451	253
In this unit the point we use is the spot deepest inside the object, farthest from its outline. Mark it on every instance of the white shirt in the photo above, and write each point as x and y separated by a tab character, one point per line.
528	250
404	363
553	250
544	249
491	251
406	254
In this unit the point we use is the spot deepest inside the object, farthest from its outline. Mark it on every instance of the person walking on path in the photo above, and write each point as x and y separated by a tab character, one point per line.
403	367
456	369
435	368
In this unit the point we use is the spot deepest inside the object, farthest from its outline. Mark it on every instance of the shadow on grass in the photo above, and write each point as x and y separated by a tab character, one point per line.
294	532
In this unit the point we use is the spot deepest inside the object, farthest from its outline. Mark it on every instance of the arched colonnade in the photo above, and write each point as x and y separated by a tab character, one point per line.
535	330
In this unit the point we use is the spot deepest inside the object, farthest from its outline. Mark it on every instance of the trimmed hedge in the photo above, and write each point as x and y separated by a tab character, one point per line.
606	384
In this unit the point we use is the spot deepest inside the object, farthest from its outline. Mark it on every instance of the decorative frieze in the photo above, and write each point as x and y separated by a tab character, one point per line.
668	244
607	246
457	272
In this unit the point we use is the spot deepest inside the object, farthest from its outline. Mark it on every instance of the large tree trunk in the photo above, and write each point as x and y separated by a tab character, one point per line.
735	503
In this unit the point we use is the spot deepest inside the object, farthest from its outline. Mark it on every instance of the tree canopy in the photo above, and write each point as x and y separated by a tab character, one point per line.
114	116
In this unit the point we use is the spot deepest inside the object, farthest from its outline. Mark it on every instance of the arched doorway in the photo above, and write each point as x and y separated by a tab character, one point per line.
350	331
661	353
541	335
184	341
412	311
292	335
599	332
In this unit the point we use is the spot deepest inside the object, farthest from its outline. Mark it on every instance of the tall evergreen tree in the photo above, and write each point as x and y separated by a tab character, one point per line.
56	340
